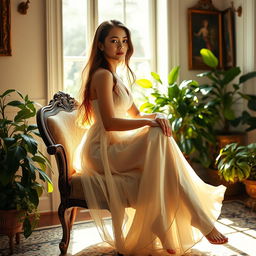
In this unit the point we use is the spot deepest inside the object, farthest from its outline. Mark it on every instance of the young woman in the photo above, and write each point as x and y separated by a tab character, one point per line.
131	165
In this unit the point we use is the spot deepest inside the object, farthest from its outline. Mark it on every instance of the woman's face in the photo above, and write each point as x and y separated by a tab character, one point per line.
115	45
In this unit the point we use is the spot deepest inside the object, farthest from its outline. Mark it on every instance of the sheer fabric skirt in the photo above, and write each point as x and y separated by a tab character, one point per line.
156	200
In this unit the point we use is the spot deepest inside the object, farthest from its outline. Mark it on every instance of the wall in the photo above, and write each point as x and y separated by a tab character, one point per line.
25	70
178	32
183	36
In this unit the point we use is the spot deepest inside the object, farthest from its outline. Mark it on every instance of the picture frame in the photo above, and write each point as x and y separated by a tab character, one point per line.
5	28
229	48
204	31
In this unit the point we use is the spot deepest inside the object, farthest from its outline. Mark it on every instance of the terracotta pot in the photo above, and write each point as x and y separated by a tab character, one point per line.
10	225
250	186
225	139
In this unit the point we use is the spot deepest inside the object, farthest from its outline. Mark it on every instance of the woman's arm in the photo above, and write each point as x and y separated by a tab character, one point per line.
159	117
135	113
102	83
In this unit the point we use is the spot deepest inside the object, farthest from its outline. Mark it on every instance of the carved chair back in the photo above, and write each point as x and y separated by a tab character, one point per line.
57	126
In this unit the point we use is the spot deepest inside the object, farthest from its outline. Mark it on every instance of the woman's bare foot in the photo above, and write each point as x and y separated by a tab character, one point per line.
171	251
215	237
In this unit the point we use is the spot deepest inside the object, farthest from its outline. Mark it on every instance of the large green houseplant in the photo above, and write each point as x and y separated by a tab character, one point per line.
21	162
191	120
224	91
238	163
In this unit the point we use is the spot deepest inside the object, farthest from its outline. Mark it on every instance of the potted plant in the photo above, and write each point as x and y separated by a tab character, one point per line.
222	93
238	163
191	120
21	165
246	117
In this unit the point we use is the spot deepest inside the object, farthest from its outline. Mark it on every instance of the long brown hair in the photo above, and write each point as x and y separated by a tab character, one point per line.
97	60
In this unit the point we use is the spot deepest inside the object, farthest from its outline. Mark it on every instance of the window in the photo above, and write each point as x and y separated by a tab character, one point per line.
137	15
74	43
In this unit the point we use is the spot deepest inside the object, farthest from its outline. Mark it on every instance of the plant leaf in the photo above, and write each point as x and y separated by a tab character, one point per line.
209	58
144	83
156	77
247	76
230	74
173	75
173	91
186	146
23	114
16	103
32	127
30	142
205	89
176	124
33	196
14	156
41	161
27	227
204	74
49	187
43	176
252	103
7	92
9	141
186	83
146	106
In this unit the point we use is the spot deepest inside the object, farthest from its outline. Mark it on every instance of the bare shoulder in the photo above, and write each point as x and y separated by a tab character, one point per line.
102	74
102	82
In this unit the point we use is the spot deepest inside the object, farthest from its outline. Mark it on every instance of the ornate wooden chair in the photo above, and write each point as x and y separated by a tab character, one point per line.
57	126
56	122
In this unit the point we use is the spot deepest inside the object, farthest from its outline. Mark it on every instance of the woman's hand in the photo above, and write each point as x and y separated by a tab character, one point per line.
162	122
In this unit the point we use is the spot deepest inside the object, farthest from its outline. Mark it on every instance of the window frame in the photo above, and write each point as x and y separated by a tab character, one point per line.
54	41
92	21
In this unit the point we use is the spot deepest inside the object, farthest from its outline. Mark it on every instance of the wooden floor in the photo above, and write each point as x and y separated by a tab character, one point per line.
51	218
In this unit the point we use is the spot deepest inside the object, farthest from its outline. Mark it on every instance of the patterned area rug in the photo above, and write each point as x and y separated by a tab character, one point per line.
236	221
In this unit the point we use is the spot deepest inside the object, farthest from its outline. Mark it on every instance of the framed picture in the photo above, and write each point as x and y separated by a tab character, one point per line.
5	28
229	49
204	31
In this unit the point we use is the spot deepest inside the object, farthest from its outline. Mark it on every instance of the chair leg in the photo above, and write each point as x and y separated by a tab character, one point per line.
73	216
66	217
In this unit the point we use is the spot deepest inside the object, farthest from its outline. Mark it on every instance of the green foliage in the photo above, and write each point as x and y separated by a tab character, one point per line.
222	96
191	120
236	163
21	162
209	58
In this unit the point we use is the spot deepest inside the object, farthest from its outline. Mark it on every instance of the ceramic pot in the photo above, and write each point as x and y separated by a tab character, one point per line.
10	225
223	140
250	187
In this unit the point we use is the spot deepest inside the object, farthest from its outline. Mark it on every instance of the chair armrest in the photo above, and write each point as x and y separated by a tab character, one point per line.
53	149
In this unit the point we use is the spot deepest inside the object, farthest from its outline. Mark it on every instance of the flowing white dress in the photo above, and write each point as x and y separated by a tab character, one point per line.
155	198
